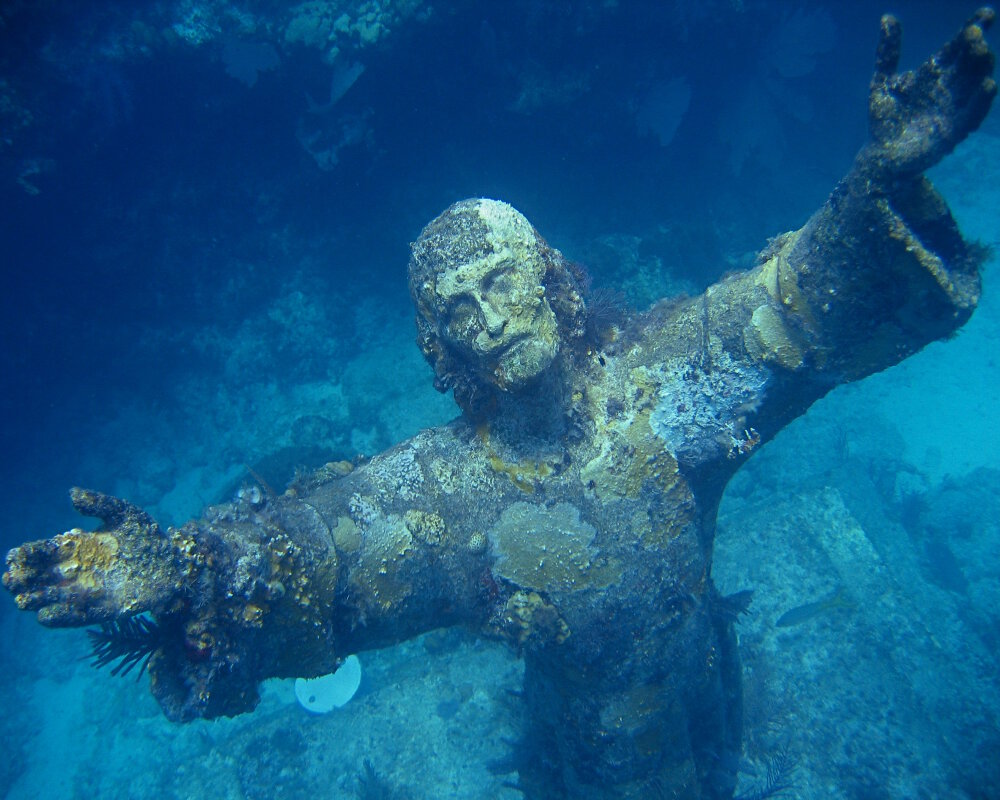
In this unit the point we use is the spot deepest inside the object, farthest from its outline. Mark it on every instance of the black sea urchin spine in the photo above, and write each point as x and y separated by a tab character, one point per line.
128	641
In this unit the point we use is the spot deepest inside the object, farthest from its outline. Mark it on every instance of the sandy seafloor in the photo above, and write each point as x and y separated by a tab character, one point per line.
888	490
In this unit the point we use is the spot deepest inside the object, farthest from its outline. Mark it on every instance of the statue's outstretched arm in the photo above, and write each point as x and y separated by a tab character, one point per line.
880	271
275	585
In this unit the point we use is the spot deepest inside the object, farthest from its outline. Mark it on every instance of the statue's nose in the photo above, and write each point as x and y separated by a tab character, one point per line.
493	321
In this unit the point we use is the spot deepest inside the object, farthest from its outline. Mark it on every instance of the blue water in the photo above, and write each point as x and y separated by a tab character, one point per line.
205	213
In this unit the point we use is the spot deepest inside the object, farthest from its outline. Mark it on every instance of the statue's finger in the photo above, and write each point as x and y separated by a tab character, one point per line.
975	56
972	84
29	566
34	598
114	512
30	556
111	510
62	615
969	45
979	104
982	19
889	45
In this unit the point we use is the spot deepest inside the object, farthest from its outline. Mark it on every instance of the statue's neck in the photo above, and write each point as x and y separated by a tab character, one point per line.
535	415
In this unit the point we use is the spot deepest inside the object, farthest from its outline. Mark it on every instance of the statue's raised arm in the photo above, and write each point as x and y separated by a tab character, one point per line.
878	272
570	510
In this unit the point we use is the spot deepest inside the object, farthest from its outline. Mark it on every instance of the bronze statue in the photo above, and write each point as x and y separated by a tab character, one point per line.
570	510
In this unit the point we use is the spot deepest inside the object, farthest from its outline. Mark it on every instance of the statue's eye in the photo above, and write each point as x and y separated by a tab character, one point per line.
463	320
499	283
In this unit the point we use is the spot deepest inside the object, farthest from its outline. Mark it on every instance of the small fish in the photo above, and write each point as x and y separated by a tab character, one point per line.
804	613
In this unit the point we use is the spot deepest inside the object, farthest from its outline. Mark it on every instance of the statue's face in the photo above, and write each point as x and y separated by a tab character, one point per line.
498	317
486	301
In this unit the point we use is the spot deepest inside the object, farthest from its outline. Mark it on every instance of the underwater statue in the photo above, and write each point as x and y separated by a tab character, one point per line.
570	510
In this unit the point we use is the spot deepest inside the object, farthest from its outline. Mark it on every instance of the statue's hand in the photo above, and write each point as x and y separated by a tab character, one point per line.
916	118
79	577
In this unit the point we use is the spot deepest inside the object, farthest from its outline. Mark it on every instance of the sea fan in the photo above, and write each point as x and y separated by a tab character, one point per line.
128	641
731	607
372	786
780	772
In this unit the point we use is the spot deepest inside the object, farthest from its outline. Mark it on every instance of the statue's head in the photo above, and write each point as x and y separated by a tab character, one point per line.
494	302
